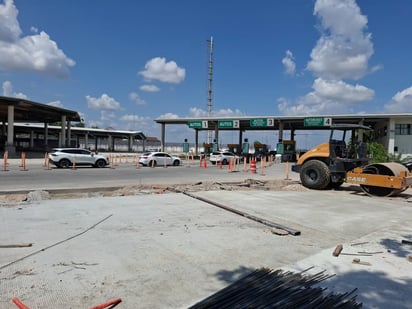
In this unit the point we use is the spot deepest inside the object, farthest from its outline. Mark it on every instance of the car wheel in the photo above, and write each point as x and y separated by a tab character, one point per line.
176	163
100	163
152	163
64	163
224	162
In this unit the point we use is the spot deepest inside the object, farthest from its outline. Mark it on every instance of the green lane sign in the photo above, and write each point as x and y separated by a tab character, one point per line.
198	124
228	124
317	122
262	122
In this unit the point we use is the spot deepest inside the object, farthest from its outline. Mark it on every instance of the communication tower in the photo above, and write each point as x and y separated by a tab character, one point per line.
210	88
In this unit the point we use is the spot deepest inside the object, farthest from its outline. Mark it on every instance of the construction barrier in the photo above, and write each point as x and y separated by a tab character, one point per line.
137	158
111	161
47	165
252	166
5	159
74	163
262	165
287	171
235	164
46	159
23	161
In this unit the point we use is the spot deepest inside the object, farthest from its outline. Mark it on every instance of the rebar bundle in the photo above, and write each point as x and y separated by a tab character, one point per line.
266	288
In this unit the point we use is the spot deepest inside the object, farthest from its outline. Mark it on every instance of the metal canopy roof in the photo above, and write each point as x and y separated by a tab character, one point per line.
28	127
25	110
289	122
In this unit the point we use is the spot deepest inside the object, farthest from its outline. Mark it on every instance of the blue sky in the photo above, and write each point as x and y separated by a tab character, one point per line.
122	64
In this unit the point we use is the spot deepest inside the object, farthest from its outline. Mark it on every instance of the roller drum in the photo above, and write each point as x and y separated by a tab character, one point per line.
389	169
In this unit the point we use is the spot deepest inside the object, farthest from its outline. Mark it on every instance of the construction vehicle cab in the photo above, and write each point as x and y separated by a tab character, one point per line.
344	159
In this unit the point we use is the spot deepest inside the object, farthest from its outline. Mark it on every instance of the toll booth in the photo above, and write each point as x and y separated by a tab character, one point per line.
260	147
287	149
233	148
208	148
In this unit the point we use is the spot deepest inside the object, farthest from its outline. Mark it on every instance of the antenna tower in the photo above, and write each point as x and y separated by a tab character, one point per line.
210	90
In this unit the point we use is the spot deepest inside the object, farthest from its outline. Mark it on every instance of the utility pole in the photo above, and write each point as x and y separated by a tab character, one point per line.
210	89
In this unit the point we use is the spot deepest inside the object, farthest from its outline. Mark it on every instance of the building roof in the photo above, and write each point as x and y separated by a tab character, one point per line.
27	127
29	111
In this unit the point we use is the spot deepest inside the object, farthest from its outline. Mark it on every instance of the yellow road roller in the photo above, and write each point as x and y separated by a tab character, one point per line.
344	159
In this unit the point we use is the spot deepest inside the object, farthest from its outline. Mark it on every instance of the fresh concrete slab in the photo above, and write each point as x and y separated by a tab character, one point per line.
170	250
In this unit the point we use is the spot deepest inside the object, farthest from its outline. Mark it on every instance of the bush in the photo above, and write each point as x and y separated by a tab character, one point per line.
377	153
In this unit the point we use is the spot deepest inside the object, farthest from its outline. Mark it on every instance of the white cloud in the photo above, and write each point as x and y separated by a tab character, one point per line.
108	119
149	88
9	26
196	112
401	102
106	115
134	97
29	53
56	104
344	48
103	103
168	72
342	52
328	97
169	116
342	92
136	122
135	119
34	29
8	91
289	63
227	113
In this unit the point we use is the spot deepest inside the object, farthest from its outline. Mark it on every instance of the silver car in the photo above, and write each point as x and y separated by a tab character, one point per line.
158	158
65	157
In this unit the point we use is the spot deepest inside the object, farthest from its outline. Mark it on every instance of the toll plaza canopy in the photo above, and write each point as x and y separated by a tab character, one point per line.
383	122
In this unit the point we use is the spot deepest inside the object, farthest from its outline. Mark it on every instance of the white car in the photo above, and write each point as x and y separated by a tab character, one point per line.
65	157
158	158
223	157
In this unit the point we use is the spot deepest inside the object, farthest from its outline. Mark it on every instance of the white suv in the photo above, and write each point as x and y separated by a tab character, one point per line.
65	157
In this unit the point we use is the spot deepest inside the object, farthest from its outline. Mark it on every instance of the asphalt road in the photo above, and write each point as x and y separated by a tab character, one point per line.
37	176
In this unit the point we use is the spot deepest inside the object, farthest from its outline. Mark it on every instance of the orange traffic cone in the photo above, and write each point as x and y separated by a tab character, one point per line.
204	164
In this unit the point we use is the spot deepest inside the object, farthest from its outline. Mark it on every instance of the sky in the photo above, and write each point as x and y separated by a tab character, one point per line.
122	64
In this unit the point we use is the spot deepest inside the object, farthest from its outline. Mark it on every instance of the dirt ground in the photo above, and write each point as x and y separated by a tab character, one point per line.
246	185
